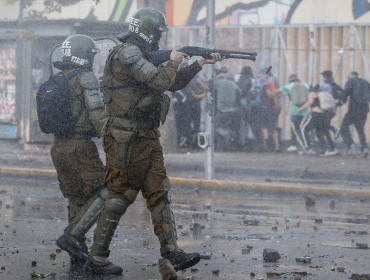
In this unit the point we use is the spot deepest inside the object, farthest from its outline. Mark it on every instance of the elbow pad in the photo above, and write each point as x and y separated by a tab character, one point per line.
92	94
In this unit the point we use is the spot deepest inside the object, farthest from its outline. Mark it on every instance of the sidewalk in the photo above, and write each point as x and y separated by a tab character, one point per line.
283	173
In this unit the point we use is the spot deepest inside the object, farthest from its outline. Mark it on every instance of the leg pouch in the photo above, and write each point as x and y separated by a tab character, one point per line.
122	147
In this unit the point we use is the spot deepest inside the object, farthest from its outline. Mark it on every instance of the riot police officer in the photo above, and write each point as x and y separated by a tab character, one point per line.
133	91
75	156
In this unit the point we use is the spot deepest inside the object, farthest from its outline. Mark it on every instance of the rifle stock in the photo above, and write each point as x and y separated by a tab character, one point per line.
161	56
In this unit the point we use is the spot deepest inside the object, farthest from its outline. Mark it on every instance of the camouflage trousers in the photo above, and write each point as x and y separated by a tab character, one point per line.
80	173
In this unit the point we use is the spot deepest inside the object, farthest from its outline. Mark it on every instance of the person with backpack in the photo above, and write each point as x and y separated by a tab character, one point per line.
133	92
337	92
318	119
358	92
298	94
70	106
262	100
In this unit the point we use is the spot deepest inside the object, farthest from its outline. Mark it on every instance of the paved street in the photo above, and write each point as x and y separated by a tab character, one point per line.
33	214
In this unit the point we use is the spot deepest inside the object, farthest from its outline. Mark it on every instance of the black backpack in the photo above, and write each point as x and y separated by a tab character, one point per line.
338	92
361	91
54	105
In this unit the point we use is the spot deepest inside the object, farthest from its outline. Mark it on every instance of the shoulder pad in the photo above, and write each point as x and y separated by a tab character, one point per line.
129	54
89	81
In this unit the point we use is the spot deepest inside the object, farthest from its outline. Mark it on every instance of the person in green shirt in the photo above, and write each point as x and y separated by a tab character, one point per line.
295	117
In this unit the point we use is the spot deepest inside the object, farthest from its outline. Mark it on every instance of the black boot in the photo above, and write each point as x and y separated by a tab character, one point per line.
181	260
76	255
109	268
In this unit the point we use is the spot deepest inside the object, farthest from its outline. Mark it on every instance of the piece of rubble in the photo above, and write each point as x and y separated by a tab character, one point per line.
250	222
360	276
303	259
145	243
3	268
58	250
52	256
274	228
200	216
205	256
340	269
207	206
271	255
34	263
180	226
286	274
310	200
216	272
362	246
318	220
246	251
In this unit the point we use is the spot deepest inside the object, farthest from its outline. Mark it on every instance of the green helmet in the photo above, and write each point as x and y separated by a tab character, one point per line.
79	49
147	25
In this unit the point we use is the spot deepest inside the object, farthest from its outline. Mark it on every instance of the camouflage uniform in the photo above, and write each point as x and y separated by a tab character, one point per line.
135	105
80	171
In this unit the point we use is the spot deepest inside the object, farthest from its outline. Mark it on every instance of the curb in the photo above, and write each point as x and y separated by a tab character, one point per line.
220	185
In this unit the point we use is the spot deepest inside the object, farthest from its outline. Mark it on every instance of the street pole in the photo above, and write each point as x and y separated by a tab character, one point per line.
209	111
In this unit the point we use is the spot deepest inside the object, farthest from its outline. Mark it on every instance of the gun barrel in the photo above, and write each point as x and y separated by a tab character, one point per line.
234	52
250	57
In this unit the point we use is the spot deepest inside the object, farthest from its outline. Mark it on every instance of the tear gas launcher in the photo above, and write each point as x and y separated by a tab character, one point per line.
161	56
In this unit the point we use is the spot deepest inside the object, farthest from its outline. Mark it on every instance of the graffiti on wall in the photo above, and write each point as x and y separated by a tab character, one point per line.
7	82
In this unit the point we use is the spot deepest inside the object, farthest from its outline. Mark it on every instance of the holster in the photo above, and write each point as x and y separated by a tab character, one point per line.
122	130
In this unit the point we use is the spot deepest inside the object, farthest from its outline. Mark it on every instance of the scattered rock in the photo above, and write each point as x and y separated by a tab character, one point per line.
3	268
252	274
193	269
310	200
58	250
340	269
145	242
274	228
7	206
318	220
250	222
200	216
52	256
362	246
246	251
215	272
205	256
207	207
303	259
360	276
271	255
286	274
180	226
34	263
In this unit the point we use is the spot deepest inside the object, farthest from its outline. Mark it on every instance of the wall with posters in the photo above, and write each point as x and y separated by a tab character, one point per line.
7	90
193	12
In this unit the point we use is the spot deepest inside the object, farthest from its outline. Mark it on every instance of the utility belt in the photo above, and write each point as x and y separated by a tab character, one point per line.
75	136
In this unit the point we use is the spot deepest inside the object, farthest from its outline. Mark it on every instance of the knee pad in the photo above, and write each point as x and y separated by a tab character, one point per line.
116	206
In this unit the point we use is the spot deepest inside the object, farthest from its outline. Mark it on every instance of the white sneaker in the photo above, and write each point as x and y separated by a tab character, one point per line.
291	149
311	152
330	153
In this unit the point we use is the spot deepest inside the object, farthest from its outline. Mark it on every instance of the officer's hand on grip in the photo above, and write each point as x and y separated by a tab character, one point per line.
177	56
215	57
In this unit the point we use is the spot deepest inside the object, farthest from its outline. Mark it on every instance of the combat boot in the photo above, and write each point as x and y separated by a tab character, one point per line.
165	229
76	255
182	260
109	268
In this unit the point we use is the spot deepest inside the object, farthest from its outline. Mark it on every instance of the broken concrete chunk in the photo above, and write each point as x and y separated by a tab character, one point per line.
340	269
271	255
250	222
200	216
58	250
246	251
360	276
274	228
52	256
303	259
215	272
205	256
318	220
362	246
34	263
310	200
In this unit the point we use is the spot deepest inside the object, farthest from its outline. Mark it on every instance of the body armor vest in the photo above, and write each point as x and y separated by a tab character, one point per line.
126	97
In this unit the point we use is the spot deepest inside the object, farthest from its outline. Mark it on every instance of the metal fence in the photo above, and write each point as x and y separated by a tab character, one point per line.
305	50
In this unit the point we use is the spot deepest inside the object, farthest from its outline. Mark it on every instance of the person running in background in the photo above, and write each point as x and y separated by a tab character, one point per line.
319	120
296	118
